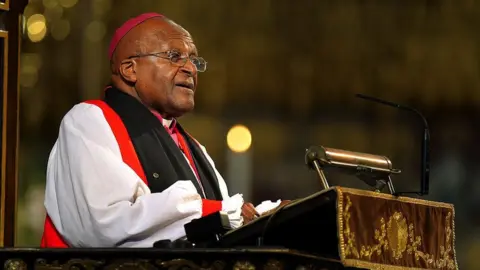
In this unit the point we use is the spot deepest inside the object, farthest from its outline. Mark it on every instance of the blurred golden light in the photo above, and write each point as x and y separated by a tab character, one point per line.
101	7
53	14
31	63
239	138
36	27
31	59
95	31
23	25
28	76
50	3
67	3
29	11
60	29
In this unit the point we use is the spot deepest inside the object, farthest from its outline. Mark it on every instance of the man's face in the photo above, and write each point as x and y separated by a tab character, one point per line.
165	86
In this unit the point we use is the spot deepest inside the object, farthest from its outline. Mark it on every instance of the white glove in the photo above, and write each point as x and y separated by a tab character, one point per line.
233	207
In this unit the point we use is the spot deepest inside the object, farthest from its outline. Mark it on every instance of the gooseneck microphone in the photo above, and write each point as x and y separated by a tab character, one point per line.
425	151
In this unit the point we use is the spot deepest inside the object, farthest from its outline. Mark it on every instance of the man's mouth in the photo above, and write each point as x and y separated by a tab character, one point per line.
186	85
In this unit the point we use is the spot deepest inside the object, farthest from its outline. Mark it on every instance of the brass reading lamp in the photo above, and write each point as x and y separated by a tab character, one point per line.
374	170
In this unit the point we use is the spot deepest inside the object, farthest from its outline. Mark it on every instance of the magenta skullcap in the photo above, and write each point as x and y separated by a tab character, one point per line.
126	27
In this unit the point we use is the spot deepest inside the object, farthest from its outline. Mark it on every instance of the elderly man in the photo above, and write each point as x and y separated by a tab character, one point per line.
123	172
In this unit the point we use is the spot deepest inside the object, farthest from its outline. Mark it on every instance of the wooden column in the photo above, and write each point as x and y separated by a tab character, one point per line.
10	27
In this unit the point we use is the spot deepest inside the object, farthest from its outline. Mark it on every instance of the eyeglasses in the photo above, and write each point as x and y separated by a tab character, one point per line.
177	59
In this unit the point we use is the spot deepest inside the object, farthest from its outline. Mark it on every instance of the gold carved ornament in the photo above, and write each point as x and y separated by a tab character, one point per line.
146	264
398	238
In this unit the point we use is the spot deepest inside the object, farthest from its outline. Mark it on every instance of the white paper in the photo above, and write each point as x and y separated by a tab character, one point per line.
266	206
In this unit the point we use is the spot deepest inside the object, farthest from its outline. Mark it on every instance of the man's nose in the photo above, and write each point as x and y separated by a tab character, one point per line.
189	67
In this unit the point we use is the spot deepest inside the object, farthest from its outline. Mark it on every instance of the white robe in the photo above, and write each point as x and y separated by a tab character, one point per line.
94	199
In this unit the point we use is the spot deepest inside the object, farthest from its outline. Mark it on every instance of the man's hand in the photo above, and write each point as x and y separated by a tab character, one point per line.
282	203
248	213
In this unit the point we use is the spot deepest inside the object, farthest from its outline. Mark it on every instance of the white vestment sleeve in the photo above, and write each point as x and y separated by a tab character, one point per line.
95	200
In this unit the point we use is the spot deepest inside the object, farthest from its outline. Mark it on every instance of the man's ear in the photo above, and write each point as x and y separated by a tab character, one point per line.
128	70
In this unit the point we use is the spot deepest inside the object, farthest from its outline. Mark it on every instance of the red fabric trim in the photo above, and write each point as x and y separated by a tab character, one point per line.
129	155
210	207
182	144
51	238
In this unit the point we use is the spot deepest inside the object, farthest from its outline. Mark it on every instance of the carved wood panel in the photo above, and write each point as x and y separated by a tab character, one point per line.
10	19
3	107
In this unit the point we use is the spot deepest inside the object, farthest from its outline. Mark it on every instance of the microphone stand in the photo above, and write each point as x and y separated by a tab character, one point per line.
425	151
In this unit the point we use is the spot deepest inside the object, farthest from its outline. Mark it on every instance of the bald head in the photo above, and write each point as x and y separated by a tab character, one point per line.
151	62
150	33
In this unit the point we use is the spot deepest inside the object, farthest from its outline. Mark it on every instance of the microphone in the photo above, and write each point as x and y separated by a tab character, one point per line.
425	151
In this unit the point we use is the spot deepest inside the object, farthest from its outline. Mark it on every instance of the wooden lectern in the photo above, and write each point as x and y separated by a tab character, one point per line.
358	228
